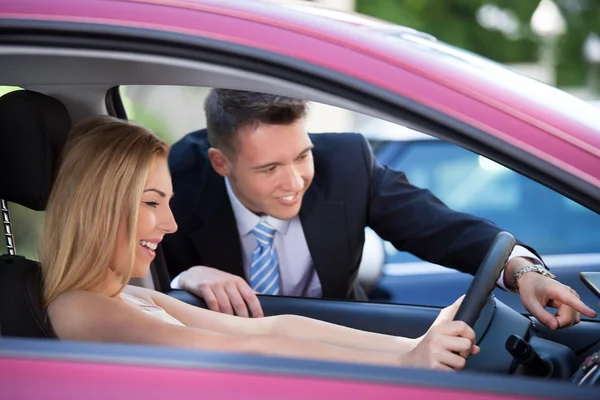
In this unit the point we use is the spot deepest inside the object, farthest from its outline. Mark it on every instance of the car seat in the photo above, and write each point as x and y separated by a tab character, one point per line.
33	131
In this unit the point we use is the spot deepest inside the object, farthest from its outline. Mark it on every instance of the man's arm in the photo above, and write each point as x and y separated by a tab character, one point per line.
517	257
416	221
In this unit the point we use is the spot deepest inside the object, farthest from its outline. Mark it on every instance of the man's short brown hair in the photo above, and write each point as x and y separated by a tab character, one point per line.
228	110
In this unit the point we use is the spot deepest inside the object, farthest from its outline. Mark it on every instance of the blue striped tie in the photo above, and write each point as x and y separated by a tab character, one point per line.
264	273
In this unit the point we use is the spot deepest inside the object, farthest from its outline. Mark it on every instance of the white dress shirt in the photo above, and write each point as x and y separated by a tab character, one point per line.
297	275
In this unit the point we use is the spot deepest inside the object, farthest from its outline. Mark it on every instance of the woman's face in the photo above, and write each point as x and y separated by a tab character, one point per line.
154	221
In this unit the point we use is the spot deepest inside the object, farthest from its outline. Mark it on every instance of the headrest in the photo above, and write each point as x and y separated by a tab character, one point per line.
33	132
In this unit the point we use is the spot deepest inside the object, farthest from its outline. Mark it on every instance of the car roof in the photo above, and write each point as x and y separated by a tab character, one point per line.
436	61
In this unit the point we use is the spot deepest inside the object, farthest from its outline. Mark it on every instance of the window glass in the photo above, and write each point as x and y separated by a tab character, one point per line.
26	225
7	89
169	111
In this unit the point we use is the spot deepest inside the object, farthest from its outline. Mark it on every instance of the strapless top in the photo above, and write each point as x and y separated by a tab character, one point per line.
150	309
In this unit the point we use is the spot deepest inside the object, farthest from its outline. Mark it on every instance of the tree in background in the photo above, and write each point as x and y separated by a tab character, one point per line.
496	29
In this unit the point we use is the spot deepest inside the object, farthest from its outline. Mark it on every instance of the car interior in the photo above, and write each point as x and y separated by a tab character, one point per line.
64	85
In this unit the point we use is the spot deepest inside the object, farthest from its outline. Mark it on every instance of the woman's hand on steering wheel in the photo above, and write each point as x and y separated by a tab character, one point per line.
447	314
446	345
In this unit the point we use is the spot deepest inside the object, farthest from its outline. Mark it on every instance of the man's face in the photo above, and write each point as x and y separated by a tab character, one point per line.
272	168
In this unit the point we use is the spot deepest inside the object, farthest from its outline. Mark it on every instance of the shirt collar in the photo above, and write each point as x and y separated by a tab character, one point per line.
247	220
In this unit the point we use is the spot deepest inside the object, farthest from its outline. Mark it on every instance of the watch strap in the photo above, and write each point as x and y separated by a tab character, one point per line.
540	269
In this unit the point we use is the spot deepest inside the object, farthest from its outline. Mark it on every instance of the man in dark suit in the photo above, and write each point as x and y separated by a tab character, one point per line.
264	207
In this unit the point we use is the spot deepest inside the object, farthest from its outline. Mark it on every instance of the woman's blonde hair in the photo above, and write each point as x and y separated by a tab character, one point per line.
101	178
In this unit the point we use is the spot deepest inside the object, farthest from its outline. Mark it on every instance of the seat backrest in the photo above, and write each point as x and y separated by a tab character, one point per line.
33	132
21	313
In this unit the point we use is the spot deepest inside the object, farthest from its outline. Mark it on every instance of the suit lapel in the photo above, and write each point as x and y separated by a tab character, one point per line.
326	233
217	240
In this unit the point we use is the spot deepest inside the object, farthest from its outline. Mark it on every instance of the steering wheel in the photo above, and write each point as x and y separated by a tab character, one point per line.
485	279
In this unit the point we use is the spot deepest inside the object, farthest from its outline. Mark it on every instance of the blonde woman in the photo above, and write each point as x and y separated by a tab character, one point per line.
108	211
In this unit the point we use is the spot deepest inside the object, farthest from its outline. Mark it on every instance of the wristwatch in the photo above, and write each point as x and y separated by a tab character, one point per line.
540	269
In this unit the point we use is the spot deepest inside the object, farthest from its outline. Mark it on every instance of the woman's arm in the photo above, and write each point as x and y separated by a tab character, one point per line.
80	315
289	326
302	328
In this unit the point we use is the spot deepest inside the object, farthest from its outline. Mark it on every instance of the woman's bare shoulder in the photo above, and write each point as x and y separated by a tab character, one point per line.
77	303
79	314
74	300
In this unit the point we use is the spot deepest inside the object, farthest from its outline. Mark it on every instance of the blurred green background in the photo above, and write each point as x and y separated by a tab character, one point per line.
500	29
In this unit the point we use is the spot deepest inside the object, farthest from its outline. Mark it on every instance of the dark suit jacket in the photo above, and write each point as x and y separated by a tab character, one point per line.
350	191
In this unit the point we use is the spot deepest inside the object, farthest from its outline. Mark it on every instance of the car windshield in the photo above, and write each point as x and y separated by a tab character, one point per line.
471	183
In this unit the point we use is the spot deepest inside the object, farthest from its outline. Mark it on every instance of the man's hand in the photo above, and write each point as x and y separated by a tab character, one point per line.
223	292
538	292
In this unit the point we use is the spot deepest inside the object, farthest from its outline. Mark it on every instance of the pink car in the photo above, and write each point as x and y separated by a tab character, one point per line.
79	52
